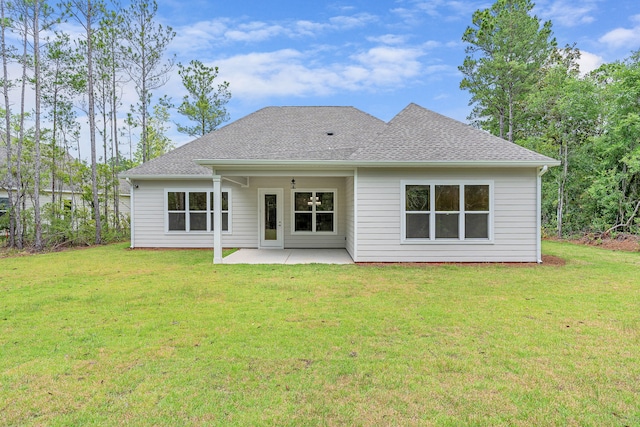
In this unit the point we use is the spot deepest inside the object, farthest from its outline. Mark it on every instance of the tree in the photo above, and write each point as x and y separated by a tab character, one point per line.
205	102
62	81
143	53
20	25
88	13
109	90
615	188
157	142
7	135
507	47
563	113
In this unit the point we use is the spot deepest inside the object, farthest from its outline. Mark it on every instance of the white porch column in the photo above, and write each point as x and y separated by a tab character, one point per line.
217	219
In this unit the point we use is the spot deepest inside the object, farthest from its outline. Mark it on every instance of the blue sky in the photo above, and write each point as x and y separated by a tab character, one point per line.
375	55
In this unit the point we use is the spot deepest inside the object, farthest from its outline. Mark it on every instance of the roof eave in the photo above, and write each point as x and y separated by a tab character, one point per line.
339	164
160	176
214	163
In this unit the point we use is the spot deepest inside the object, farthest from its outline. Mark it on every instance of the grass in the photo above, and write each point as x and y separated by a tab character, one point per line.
108	336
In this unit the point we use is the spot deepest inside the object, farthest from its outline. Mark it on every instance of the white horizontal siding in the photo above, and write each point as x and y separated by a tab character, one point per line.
316	240
349	215
149	210
150	216
379	222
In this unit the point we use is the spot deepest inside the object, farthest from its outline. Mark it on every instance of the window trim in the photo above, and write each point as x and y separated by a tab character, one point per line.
208	212
432	213
313	211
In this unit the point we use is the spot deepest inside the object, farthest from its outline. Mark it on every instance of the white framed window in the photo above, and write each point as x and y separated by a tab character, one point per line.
4	205
446	212
314	211
188	210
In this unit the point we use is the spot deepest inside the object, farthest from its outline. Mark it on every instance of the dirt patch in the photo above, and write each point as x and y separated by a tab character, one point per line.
619	242
553	260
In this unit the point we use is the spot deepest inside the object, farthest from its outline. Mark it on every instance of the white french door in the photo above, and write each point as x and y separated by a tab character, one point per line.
270	217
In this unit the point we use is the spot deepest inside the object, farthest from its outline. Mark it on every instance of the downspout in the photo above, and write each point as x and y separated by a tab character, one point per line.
541	172
355	215
131	214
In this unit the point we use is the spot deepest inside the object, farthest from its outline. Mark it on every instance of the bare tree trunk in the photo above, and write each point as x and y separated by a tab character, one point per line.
561	187
510	116
38	96
114	138
103	101
19	208
92	124
7	136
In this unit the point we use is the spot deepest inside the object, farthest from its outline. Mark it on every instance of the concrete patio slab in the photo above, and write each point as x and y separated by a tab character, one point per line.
288	256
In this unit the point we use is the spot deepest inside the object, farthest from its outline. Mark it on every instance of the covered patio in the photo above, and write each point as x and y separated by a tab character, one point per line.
288	256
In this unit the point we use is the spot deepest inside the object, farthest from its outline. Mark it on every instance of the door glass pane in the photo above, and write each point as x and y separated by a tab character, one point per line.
270	217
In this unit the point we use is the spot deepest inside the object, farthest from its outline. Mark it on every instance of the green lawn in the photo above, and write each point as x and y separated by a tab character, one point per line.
110	336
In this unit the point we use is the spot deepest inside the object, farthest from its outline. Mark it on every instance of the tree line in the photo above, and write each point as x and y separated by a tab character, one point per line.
528	90
78	58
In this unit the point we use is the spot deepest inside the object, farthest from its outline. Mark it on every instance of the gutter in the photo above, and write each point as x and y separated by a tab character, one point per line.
132	217
541	172
373	164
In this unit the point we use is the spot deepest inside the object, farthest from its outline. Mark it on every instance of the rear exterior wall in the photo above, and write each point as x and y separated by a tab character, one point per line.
149	227
379	197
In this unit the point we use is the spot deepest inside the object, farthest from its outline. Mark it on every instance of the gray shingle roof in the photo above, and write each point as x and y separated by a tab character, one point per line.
343	134
417	134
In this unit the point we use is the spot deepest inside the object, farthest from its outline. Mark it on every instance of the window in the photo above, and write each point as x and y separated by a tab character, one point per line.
4	205
314	211
193	210
445	211
225	210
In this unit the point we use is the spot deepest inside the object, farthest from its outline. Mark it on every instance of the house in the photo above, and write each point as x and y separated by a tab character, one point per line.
420	188
69	195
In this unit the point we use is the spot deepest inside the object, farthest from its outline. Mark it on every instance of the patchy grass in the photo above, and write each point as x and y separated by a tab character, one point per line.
109	336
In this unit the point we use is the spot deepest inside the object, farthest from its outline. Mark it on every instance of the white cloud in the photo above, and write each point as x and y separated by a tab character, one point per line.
589	62
354	21
444	10
255	32
623	37
389	65
200	35
570	13
391	39
293	73
206	34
